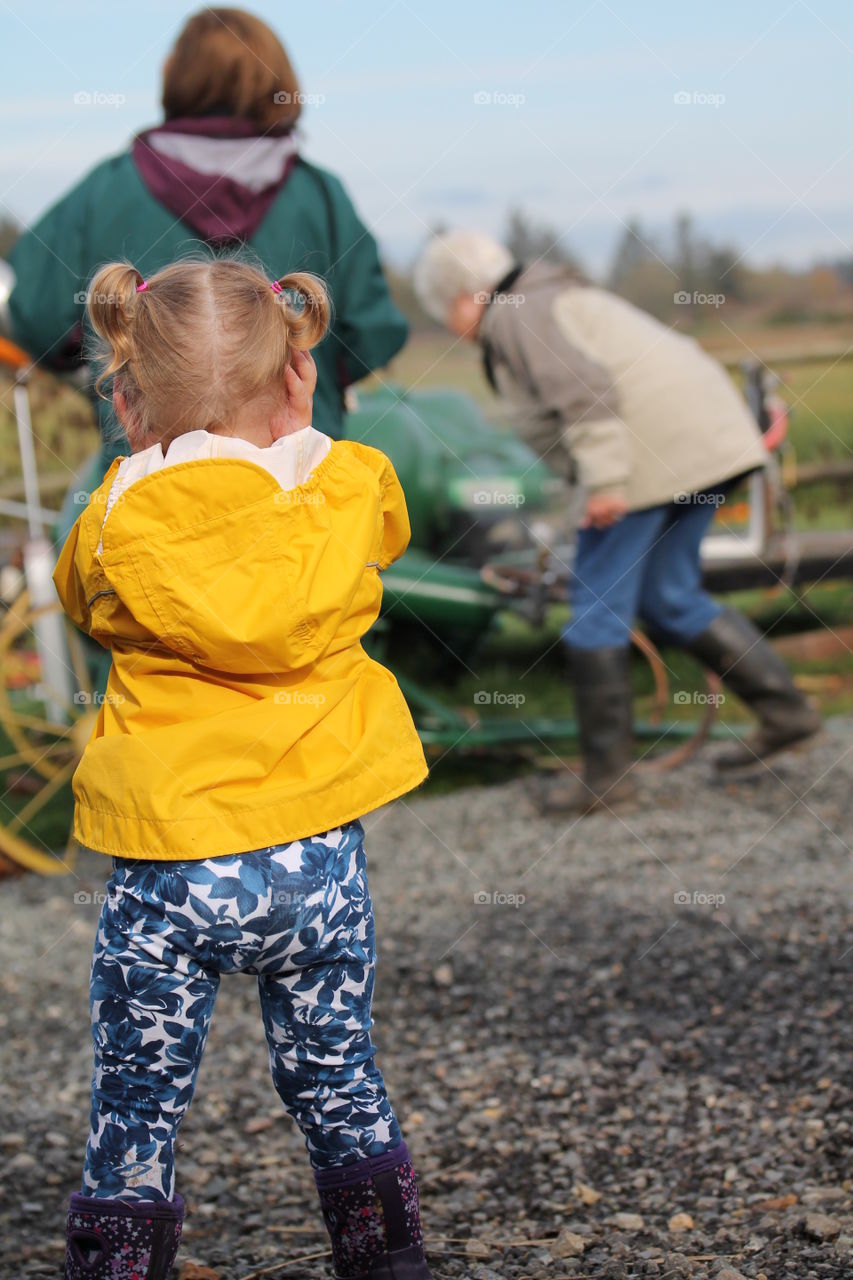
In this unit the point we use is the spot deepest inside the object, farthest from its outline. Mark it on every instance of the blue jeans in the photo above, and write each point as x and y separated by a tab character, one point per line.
645	566
299	916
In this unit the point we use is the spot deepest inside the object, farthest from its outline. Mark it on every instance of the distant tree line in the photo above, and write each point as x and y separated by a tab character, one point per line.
673	275
669	275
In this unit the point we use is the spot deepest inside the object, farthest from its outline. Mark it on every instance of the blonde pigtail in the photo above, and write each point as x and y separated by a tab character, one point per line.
308	323
112	300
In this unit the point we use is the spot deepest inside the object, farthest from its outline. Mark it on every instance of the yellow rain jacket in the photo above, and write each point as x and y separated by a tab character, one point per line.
241	710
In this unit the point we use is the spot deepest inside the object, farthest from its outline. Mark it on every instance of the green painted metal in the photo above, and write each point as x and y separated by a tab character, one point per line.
452	730
455	466
438	594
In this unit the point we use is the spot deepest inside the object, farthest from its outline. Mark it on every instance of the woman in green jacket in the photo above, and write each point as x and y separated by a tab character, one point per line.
223	170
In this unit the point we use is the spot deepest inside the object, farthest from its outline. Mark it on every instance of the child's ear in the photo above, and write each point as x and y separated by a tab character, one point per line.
120	406
128	422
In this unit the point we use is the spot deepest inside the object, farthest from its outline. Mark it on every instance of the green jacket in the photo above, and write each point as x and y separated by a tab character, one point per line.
311	226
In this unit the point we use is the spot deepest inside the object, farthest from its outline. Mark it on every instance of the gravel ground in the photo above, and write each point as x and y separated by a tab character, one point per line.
641	1069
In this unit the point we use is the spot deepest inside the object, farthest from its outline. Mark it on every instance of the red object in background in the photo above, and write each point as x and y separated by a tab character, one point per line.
776	432
21	670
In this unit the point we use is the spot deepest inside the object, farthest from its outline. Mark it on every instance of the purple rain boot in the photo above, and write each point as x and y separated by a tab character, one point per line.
122	1239
371	1213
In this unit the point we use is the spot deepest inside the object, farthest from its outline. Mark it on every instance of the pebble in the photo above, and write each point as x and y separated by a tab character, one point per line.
821	1226
629	1222
258	1124
820	1195
508	1049
21	1163
567	1245
677	1266
680	1222
476	1249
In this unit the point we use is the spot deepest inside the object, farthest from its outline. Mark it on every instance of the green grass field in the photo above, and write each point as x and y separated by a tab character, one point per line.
820	392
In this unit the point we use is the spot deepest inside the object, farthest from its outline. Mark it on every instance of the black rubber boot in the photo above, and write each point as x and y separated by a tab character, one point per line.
748	665
373	1218
602	685
110	1238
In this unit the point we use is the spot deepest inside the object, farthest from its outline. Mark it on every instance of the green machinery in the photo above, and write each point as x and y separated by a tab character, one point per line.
490	532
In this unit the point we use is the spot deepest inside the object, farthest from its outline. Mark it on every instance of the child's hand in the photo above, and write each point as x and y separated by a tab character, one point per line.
300	380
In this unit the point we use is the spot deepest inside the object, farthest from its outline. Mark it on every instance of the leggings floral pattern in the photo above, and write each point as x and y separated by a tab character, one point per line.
299	916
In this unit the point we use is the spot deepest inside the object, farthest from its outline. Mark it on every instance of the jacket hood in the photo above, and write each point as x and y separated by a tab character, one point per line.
216	173
540	275
257	583
542	279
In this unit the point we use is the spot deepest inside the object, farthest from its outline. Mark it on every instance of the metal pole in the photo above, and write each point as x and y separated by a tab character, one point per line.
32	497
48	624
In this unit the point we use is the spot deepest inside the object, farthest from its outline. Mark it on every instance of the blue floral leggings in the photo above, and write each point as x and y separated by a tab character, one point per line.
300	917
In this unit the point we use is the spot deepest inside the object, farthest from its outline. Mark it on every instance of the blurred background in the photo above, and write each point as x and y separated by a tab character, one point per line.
694	160
673	150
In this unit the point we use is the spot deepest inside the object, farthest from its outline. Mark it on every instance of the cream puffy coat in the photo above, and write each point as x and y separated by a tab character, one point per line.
612	398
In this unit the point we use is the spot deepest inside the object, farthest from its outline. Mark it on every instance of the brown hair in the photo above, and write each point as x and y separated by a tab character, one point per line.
229	62
203	339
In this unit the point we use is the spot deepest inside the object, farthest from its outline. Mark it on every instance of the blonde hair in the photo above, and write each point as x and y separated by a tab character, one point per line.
228	62
201	340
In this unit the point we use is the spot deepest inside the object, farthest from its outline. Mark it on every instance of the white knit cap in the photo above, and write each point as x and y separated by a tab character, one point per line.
458	262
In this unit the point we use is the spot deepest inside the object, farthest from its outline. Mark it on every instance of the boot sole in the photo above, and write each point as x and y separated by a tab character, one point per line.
604	804
797	746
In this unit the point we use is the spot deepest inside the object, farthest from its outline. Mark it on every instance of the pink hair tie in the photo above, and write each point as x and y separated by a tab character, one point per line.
140	288
275	286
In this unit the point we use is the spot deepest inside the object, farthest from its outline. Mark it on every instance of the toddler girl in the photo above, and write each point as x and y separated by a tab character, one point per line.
231	564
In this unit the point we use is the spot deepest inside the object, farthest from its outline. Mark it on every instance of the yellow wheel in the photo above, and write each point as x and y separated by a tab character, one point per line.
42	735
